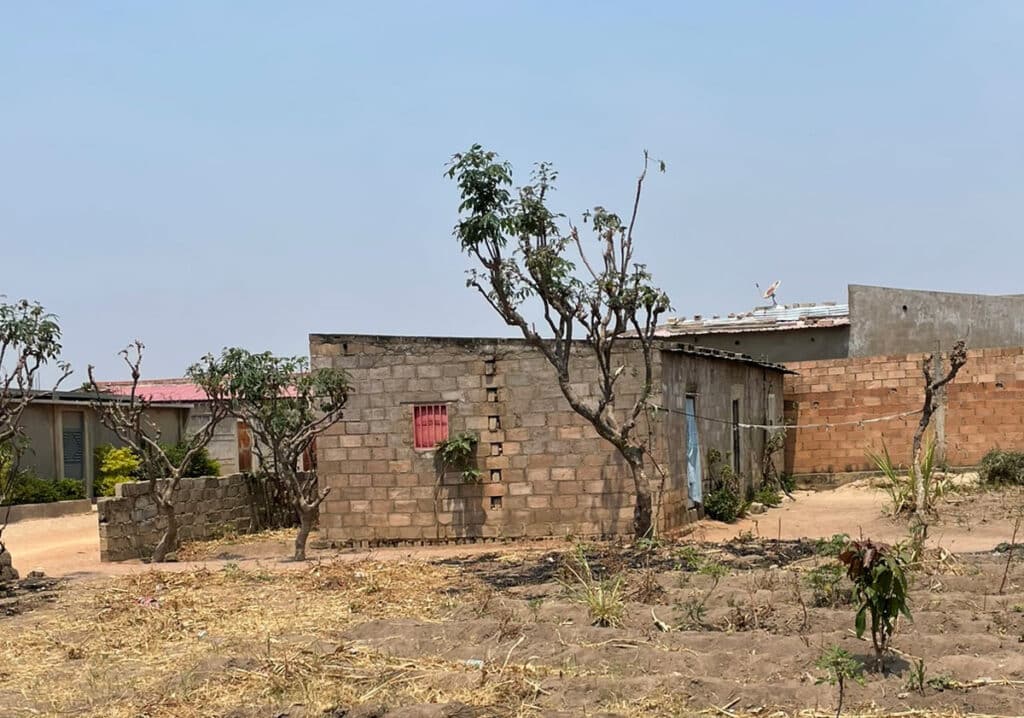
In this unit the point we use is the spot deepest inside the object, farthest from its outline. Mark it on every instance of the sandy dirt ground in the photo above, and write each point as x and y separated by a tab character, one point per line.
69	546
508	630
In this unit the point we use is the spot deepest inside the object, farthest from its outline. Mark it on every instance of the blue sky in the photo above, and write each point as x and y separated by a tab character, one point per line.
202	174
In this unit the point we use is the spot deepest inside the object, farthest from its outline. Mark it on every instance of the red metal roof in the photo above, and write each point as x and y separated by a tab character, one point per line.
165	391
159	390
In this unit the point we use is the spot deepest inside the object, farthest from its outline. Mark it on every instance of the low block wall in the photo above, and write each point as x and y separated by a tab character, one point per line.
52	510
130	525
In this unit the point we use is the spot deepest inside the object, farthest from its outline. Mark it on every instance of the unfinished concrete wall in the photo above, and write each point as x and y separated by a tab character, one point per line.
544	469
130	525
779	346
886	321
983	409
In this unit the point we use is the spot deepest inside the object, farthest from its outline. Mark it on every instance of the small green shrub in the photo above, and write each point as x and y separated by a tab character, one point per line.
114	466
878	572
1002	467
831	546
825	583
768	495
458	453
788	483
691	611
723	504
839	667
69	490
199	465
29	489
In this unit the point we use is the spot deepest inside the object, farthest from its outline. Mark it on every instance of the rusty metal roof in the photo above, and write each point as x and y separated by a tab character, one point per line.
709	353
761	319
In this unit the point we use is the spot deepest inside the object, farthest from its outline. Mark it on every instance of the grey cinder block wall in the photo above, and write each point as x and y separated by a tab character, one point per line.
544	470
130	525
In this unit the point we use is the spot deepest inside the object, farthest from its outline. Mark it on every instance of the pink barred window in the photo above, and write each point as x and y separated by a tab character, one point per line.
429	424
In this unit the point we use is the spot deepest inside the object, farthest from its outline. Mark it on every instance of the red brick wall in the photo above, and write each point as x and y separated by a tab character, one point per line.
985	409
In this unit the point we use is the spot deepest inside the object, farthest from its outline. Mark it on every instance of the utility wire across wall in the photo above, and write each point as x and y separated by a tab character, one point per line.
822	425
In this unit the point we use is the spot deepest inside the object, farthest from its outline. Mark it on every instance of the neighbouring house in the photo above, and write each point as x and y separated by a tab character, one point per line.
782	333
874	321
63	431
857	376
231	445
543	471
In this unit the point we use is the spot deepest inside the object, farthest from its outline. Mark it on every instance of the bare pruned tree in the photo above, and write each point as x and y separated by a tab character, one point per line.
932	393
30	338
524	255
130	418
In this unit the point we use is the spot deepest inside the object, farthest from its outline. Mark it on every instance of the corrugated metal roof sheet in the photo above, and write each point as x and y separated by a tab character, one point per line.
761	319
708	352
165	391
159	390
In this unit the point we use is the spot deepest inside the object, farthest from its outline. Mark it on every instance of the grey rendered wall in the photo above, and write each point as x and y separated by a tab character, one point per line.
905	321
780	346
224	445
41	423
38	423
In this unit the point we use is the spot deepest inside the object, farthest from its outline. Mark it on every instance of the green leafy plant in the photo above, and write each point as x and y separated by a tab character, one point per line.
723	502
1002	467
458	453
603	597
199	464
688	557
832	546
839	667
825	583
879	579
768	495
114	465
788	482
942	682
29	489
693	609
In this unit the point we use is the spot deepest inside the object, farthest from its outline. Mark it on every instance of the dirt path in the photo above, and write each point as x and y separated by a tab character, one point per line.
69	546
59	547
973	521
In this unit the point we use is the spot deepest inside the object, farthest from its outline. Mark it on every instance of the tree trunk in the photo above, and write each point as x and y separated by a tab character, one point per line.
307	514
169	541
643	524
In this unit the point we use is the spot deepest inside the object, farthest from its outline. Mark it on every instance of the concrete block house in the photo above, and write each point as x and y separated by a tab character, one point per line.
543	471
